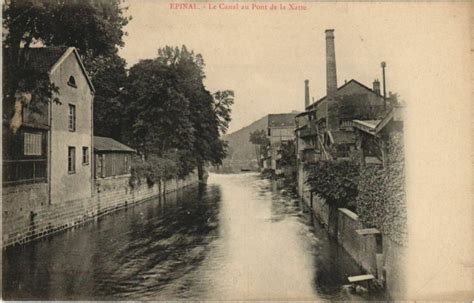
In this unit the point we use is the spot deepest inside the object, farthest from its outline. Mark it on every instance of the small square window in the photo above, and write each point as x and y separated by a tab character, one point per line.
71	160
72	117
85	155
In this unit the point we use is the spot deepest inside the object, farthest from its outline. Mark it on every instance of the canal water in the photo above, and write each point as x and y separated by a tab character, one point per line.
239	237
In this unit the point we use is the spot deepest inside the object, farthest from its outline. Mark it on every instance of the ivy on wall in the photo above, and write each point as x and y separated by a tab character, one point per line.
381	199
376	194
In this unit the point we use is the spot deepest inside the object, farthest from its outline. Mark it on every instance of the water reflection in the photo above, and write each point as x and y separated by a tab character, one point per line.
240	237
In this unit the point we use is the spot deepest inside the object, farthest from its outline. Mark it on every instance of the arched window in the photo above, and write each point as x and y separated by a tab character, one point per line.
72	82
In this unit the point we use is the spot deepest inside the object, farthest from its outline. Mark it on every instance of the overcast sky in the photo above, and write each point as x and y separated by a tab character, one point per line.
264	56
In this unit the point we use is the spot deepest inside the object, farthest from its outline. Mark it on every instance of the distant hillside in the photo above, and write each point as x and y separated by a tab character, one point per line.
241	152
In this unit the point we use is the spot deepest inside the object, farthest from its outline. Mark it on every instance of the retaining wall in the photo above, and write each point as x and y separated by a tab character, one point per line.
362	248
28	215
394	260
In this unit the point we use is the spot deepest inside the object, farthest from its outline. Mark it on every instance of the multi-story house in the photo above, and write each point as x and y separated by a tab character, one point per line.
47	150
281	129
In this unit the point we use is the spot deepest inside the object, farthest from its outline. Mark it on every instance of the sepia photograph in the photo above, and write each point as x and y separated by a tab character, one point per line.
237	150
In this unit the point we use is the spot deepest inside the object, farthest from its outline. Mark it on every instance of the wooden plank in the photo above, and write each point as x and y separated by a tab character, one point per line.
368	231
361	278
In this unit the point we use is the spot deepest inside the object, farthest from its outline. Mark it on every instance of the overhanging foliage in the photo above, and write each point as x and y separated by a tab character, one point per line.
335	181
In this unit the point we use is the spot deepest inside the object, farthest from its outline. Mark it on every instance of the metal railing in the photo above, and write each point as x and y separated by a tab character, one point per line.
24	171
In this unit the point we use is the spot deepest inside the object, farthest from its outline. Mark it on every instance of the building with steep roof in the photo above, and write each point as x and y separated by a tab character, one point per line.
324	131
48	144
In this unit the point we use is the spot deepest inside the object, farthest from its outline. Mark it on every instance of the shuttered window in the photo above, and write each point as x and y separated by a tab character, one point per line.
32	144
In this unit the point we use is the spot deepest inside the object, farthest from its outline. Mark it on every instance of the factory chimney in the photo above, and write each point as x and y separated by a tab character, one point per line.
306	94
332	117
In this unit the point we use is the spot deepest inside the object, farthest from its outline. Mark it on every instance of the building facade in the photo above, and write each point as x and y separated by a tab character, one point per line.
47	145
112	158
324	131
71	161
281	129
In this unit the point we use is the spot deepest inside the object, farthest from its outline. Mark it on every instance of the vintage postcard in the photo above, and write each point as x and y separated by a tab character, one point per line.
237	150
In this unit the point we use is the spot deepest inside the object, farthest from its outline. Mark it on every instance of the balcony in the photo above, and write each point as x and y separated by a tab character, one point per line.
309	131
24	171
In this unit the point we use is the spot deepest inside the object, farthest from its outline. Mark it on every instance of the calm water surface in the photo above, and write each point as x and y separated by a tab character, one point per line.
239	237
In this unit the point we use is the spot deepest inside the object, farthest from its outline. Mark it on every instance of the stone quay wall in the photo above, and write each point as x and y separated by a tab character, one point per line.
362	248
28	215
385	262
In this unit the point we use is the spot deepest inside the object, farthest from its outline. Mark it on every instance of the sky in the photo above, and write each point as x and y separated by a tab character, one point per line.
265	56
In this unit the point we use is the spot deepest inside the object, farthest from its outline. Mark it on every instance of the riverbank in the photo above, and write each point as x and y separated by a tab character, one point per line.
375	253
239	237
28	215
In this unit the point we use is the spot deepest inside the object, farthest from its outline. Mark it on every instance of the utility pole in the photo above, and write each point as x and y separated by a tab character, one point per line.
383	64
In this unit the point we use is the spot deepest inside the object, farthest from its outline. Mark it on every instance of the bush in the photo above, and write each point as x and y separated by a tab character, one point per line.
335	181
157	168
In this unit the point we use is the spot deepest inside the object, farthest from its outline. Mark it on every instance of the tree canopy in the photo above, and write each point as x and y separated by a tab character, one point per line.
336	181
168	108
288	153
94	27
161	106
259	137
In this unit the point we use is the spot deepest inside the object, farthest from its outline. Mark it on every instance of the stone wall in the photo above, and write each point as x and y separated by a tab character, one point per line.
28	215
362	248
394	265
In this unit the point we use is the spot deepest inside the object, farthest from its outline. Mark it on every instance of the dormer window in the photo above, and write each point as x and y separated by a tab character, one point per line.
72	82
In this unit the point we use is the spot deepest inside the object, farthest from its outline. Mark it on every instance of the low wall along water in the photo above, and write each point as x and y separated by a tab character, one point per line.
378	256
27	214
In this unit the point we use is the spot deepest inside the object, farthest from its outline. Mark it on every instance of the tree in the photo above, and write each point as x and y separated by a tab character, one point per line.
210	114
288	153
259	139
110	78
337	182
94	27
223	101
158	114
170	110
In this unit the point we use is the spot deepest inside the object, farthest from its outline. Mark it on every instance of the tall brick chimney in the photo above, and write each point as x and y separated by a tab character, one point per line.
332	118
306	94
331	76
